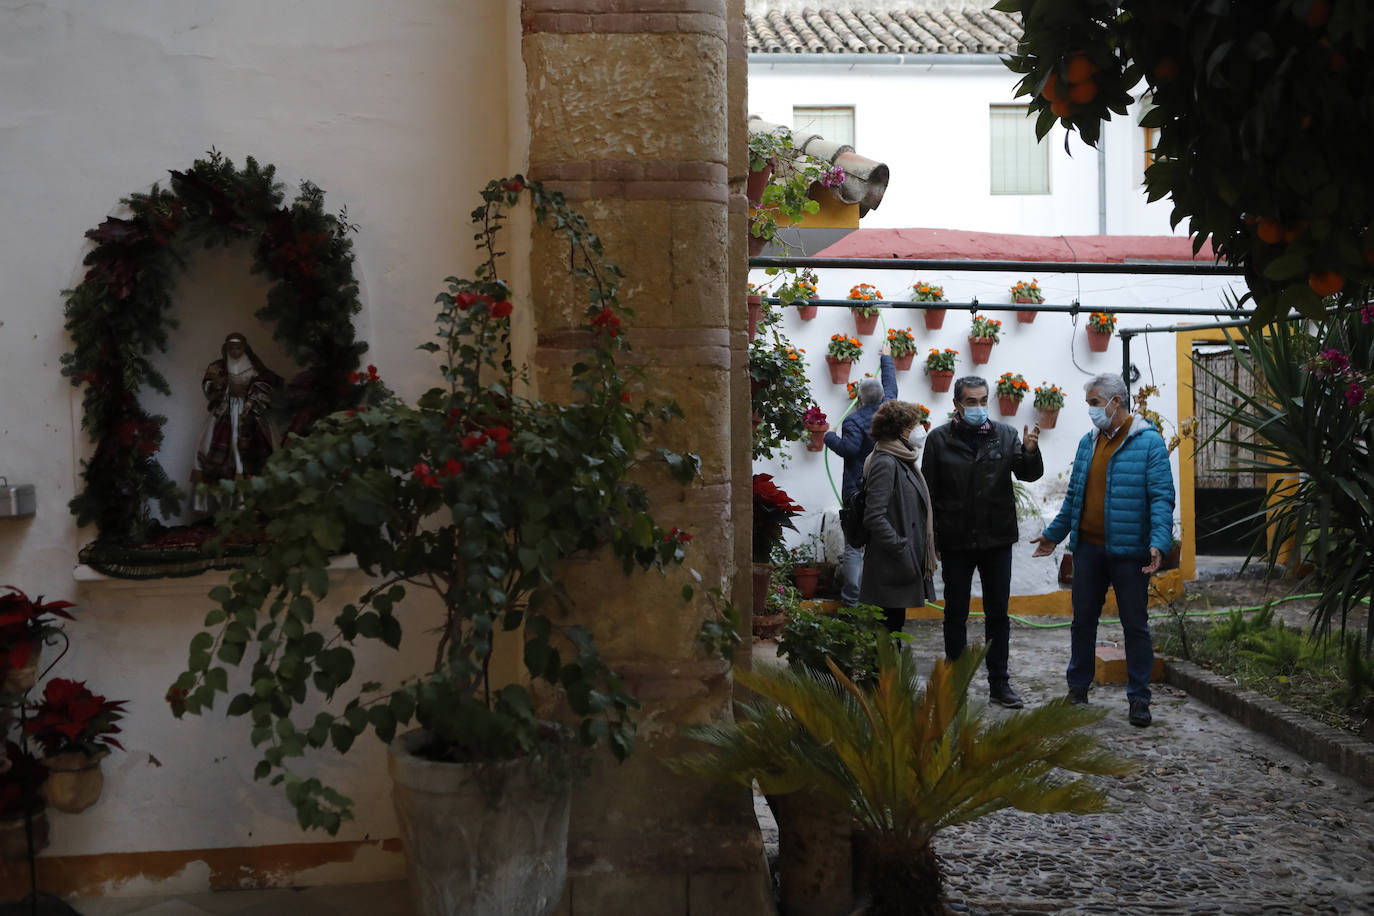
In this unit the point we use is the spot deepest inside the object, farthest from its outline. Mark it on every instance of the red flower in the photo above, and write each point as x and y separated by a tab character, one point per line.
499	433
501	309
421	469
354	378
466	301
473	441
513	186
503	449
452	468
607	320
372	373
350	413
624	397
453	416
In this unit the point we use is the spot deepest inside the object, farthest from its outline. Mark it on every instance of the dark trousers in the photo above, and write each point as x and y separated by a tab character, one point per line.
895	618
1093	571
994	571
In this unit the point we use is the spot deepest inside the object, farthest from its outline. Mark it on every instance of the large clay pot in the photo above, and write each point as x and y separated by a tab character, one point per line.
817	441
755	315
839	370
980	349
807	312
935	319
480	839
864	324
940	379
1098	340
1047	417
806	578
815	856
903	362
74	780
1008	406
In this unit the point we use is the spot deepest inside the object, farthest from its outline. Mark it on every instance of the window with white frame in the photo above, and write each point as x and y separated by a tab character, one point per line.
833	122
1020	164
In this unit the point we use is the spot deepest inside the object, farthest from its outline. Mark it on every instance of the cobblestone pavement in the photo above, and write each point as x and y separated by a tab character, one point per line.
1217	819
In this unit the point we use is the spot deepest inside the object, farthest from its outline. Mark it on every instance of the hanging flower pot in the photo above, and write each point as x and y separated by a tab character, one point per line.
839	370
1026	293
817	440
1008	406
1100	328
74	780
903	362
980	349
864	324
755	315
758	180
807	312
935	319
1046	417
1099	340
1025	317
941	379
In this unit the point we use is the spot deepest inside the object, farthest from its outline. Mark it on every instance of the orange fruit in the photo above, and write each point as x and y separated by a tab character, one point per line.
1061	109
1083	93
1292	230
1080	69
1051	90
1269	231
1166	70
1318	13
1326	283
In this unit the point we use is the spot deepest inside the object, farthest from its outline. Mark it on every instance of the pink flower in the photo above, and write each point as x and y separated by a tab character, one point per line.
1353	395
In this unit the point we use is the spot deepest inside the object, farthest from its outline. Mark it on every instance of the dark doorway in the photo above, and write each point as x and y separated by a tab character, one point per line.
1225	499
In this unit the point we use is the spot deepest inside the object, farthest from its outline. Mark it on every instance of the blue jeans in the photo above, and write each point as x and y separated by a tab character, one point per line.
852	570
1093	570
994	571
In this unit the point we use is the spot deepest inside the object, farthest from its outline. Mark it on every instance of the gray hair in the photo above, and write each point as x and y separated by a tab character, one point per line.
870	391
968	381
1109	385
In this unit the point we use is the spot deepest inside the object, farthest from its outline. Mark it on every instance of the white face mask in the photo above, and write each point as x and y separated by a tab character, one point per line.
1099	417
917	437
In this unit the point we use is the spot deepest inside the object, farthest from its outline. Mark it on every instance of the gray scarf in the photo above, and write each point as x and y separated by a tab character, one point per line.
903	452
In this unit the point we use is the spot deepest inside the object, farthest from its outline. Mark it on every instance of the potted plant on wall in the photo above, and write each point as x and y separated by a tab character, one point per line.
803	290
804	561
865	317
75	729
1048	399
940	368
903	345
1100	328
925	292
982	335
1011	390
474	497
814	420
779	185
1023	292
923	416
840	355
777	379
24	626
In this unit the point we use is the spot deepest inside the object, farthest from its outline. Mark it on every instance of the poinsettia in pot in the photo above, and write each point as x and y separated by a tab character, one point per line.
865	317
841	353
926	292
773	511
940	368
24	626
903	345
75	729
982	335
1011	390
814	419
1048	399
467	504
1027	293
1100	328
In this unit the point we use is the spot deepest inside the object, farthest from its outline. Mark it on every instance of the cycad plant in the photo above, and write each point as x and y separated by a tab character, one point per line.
906	759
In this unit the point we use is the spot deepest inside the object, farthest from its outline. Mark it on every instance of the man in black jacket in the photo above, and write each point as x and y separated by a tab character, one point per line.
853	446
968	466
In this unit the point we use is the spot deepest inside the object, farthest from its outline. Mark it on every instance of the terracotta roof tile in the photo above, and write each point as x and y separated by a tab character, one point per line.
881	28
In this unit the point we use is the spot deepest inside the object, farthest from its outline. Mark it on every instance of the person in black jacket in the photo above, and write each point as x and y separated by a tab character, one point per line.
854	446
968	464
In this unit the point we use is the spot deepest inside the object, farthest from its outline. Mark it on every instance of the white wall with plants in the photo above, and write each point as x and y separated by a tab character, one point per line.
1053	350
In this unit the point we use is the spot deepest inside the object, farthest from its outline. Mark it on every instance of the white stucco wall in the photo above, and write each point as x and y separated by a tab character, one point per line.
400	112
1047	350
929	122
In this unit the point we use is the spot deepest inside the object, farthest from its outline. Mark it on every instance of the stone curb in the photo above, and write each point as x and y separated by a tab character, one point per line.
1347	754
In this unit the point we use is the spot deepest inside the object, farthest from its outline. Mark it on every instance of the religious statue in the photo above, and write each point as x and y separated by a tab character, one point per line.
239	435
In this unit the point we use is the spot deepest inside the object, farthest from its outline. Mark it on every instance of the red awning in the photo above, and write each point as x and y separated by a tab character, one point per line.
943	244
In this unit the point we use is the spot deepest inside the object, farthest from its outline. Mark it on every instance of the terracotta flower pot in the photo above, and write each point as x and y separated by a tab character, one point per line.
839	370
74	780
755	314
806	578
935	319
941	379
980	348
865	324
1024	317
1046	417
768	626
903	362
1098	340
1007	405
817	440
807	312
757	181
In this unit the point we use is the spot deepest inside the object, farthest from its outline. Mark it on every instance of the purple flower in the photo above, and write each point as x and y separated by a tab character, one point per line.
1353	395
833	177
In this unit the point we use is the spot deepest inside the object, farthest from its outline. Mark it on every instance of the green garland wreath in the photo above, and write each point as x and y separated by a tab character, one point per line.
122	310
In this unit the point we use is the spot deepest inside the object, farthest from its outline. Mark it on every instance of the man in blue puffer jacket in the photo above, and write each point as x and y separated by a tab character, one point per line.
1118	514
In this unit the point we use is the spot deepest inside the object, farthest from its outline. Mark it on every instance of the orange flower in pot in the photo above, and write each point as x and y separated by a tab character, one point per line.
903	345
1011	390
865	317
984	333
926	292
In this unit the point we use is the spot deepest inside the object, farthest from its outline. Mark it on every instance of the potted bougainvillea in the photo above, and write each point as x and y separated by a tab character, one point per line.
903	345
865	317
926	292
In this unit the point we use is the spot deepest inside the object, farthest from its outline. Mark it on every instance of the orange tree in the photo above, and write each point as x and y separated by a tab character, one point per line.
1263	110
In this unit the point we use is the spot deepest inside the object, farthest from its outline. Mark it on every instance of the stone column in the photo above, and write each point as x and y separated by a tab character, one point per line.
636	113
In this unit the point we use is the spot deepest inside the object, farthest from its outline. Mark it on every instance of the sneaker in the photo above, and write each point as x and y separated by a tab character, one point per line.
1078	696
1003	695
1140	713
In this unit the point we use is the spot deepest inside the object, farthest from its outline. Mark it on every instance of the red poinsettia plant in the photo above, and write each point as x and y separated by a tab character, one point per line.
773	510
25	621
70	718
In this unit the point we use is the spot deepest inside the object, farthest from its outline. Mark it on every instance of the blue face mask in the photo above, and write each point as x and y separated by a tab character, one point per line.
975	416
1099	418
